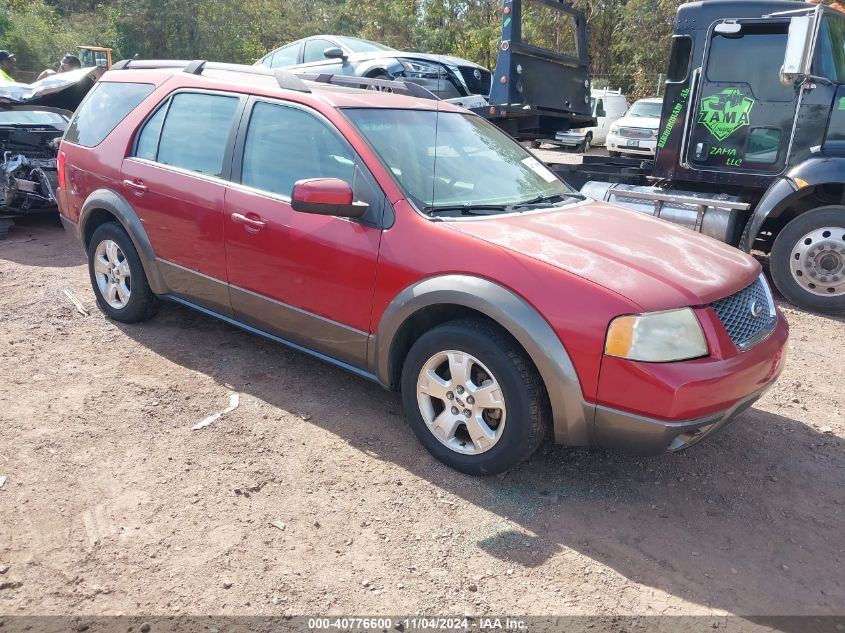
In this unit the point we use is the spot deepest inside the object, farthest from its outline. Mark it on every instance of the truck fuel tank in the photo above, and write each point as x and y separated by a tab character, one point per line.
720	216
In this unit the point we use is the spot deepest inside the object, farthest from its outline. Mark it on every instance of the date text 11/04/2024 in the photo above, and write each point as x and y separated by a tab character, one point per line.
418	624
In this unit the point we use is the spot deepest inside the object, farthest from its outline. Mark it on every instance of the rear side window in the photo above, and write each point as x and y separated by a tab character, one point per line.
192	132
104	107
284	144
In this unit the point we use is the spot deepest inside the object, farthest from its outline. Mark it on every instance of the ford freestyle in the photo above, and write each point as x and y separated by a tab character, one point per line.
414	244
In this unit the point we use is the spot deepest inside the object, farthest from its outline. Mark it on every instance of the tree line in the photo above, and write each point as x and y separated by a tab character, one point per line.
629	39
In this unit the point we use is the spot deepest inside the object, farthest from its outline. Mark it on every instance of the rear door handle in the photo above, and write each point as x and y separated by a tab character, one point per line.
136	185
254	224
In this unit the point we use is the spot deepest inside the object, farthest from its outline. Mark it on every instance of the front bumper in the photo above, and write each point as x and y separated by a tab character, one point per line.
649	408
641	435
646	146
570	139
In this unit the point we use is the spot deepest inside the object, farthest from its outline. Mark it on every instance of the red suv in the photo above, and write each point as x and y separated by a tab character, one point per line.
416	245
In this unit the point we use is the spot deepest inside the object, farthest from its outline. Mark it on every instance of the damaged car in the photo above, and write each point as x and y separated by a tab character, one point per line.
33	119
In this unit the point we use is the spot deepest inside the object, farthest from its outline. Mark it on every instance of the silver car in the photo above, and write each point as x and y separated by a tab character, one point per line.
447	77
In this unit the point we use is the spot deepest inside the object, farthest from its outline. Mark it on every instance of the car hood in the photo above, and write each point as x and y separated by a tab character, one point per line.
655	264
647	122
64	90
363	57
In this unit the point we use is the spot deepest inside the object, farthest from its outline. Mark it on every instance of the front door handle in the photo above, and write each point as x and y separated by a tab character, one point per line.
137	186
253	224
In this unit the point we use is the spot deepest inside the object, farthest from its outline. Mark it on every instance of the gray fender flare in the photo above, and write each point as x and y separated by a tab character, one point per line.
818	170
390	64
118	206
573	419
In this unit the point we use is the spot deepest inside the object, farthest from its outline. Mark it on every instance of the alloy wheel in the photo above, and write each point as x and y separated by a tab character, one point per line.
112	273
461	402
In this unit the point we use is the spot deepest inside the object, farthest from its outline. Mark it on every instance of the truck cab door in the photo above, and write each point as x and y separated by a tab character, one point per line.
744	115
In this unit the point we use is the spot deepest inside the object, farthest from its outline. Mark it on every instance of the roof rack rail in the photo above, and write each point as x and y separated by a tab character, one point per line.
400	87
285	79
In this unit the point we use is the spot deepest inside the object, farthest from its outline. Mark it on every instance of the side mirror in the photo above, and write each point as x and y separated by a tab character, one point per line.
334	52
326	196
797	57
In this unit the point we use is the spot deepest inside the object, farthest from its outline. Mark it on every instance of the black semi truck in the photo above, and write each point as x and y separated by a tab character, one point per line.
751	147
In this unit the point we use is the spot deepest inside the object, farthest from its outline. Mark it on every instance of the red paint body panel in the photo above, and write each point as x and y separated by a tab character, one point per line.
655	264
323	191
182	213
321	264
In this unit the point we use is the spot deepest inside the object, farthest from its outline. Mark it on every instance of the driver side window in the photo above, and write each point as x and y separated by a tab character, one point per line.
285	144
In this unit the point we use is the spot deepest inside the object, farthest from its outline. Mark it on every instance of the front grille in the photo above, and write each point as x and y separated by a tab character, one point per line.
749	315
477	85
635	132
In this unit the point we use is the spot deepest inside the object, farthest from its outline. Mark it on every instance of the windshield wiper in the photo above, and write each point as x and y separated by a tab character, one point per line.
466	209
555	197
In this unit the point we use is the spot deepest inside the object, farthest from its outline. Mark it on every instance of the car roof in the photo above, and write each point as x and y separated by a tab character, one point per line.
266	85
650	100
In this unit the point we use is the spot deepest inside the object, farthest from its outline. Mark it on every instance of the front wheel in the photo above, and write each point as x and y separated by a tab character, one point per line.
587	145
808	260
473	398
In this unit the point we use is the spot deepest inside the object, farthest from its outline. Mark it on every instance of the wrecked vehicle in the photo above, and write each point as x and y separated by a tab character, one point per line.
33	119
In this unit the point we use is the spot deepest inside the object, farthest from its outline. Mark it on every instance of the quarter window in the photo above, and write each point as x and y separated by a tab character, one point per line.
285	144
193	134
104	107
763	145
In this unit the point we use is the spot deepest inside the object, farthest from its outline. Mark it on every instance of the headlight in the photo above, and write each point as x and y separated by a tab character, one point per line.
420	69
614	129
658	337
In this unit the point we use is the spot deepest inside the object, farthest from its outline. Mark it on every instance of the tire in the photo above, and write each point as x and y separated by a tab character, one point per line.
807	261
587	145
614	154
511	430
117	276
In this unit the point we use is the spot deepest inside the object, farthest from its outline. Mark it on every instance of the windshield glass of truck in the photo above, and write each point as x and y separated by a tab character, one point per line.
449	161
830	50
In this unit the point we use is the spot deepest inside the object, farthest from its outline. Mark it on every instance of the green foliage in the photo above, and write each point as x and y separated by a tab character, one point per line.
629	39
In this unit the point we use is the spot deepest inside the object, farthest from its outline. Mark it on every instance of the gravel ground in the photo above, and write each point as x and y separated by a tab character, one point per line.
313	496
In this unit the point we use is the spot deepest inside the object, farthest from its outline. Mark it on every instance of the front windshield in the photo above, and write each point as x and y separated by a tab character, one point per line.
361	46
32	117
830	50
646	109
453	160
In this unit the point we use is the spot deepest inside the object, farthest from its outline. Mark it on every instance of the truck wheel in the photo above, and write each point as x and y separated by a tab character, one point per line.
473	398
117	275
808	260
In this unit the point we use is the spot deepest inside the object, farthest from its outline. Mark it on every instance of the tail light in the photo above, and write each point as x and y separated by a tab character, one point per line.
60	168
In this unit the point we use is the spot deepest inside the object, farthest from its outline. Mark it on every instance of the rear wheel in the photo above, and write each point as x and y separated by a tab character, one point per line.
587	145
808	260
117	275
473	398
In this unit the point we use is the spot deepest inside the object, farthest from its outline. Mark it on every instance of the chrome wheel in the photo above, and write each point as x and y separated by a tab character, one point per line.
461	402
111	271
818	261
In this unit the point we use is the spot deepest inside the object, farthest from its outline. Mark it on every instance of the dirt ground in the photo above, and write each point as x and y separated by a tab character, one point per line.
113	505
